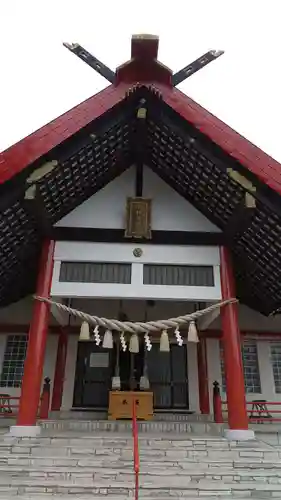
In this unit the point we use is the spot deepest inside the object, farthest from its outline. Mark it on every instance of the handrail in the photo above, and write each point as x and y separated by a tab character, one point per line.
259	411
11	410
6	408
136	448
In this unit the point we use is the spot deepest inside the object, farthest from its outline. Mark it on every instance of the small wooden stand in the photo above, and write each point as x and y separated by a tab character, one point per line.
121	405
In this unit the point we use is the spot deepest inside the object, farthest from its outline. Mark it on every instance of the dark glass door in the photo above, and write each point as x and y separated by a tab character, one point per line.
168	377
94	370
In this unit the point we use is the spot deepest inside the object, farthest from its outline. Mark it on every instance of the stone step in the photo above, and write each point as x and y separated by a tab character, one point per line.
68	496
152	474
115	461
156	456
144	442
206	428
171	489
102	415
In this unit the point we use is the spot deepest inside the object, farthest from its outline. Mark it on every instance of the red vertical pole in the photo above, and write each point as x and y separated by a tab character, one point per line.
59	371
234	375
217	404
33	366
203	384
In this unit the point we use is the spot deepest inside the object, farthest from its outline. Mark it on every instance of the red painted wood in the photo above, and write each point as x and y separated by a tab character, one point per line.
136	447
143	65
144	47
234	376
33	367
19	156
203	384
251	157
59	370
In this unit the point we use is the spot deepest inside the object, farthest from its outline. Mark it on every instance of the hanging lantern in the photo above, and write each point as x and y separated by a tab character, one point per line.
192	335
164	342
134	344
108	340
84	332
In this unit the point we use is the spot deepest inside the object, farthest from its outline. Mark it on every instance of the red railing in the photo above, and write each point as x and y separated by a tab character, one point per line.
9	405
136	448
262	411
259	410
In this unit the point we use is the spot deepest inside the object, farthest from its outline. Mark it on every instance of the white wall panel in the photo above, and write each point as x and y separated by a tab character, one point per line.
107	208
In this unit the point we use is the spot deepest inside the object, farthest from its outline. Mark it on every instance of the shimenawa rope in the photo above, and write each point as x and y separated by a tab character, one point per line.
137	327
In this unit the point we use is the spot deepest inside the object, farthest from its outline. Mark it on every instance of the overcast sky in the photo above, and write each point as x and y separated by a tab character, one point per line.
40	79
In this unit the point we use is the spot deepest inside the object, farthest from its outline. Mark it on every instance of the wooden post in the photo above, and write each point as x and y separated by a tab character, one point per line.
204	399
218	417
45	400
234	375
33	367
59	370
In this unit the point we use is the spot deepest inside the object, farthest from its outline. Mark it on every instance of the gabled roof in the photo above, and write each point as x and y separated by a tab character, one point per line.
25	152
185	144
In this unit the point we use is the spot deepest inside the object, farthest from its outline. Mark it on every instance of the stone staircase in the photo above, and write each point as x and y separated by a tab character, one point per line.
82	465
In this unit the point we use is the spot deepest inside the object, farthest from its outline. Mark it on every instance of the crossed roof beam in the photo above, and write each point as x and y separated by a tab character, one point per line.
110	75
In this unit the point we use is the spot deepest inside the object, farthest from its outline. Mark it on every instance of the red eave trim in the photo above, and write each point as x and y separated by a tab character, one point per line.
20	155
25	152
251	157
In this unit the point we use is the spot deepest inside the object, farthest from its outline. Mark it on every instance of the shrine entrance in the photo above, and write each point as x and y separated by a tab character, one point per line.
167	373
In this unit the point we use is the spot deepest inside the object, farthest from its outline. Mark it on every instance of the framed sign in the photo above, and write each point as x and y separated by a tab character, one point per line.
99	360
138	223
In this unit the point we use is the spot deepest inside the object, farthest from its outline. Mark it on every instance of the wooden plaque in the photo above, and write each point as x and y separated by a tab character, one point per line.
121	405
138	224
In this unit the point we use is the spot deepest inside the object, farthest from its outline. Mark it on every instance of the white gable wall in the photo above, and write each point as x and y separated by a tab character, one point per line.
107	208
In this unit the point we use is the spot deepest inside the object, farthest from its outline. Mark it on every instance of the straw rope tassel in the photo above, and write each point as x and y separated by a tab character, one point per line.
84	332
192	335
164	342
108	340
134	344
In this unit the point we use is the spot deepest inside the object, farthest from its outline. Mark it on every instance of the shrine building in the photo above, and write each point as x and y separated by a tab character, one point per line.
139	205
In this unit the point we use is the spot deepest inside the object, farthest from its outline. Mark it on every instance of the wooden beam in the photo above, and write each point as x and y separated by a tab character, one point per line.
34	204
117	236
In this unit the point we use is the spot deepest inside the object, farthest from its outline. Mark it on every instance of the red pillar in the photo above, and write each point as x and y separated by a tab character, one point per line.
235	388
33	366
204	399
59	371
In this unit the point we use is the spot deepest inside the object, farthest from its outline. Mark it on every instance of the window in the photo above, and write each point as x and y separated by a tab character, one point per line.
13	363
95	272
158	274
251	368
275	349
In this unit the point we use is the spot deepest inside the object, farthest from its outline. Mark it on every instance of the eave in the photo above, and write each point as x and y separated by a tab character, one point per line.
185	145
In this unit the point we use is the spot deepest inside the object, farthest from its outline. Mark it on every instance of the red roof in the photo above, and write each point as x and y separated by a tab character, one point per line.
143	67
